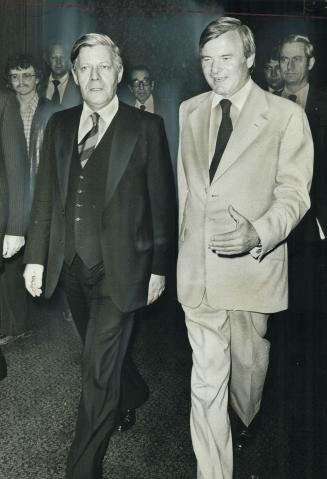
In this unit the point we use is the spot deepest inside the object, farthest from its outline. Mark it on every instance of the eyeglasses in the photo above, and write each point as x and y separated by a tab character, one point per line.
24	76
138	83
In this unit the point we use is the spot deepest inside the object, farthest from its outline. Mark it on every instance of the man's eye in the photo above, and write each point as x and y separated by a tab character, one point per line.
104	67
84	68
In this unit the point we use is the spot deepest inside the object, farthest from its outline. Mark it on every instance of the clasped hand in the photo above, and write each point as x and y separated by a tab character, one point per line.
239	241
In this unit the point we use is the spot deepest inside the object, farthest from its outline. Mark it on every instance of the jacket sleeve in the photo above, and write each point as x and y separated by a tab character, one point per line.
294	175
38	235
162	196
14	152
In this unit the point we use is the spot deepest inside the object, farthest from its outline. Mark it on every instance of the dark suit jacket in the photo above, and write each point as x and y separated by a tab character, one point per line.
13	171
307	231
138	211
72	96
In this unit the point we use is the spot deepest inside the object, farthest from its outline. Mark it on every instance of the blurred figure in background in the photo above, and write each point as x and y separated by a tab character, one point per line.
13	192
59	86
307	243
272	73
23	76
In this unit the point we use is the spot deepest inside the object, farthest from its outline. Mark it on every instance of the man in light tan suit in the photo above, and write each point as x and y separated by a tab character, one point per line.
244	171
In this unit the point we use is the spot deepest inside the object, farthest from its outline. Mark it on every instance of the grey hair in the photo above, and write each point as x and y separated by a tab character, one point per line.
293	38
92	40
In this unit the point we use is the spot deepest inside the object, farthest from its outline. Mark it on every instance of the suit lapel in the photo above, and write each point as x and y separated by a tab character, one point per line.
252	119
200	124
64	144
124	139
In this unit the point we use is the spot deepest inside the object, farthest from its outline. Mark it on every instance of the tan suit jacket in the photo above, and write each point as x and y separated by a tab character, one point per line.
265	174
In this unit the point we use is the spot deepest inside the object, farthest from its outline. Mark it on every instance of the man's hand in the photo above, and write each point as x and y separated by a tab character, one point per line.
11	245
33	278
156	287
236	242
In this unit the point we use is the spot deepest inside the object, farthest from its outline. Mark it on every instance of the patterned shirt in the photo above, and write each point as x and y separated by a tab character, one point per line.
27	113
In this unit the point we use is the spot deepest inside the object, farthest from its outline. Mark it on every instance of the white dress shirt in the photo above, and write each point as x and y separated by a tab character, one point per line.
149	104
107	114
237	100
61	87
301	95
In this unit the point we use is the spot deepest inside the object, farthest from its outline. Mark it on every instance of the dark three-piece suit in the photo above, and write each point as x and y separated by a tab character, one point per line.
102	230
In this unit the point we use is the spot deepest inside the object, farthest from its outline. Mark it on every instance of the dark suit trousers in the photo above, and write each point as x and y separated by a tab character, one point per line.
107	332
14	302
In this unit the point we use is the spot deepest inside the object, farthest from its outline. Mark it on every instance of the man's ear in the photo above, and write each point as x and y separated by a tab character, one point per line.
250	61
120	73
311	63
74	76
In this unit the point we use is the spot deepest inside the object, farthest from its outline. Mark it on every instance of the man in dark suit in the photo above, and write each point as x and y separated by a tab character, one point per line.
23	77
145	94
307	244
12	184
60	87
101	221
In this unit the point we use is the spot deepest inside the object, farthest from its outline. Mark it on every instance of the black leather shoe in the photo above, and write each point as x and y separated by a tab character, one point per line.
126	420
243	437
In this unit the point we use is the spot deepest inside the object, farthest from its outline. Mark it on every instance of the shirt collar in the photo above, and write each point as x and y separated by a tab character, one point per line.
106	113
62	80
148	104
301	95
238	99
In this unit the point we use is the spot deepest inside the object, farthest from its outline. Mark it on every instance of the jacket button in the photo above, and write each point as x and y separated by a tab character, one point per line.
77	219
79	191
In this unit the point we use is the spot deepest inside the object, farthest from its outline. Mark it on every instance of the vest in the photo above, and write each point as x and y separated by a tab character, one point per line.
85	200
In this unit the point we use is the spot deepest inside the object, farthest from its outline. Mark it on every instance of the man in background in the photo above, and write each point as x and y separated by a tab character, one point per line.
23	76
13	188
60	87
272	73
307	244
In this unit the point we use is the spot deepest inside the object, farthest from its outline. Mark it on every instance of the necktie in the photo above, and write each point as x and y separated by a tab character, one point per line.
88	143
142	107
292	98
224	132
56	97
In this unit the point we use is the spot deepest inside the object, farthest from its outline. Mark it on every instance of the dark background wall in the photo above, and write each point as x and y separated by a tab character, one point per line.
161	33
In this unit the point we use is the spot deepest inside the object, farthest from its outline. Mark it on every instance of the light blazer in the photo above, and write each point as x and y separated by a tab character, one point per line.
138	210
265	174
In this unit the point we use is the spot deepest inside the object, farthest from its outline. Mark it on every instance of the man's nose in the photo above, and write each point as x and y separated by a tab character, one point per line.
216	66
94	73
20	79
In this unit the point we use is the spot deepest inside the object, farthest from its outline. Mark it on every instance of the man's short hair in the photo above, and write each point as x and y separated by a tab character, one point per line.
271	54
22	61
227	24
293	38
93	40
138	68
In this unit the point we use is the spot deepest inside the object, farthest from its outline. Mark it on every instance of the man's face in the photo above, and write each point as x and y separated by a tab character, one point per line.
294	64
224	65
273	75
141	85
58	61
23	80
96	74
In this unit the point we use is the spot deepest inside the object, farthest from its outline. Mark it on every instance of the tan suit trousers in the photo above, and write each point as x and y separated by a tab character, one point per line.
228	349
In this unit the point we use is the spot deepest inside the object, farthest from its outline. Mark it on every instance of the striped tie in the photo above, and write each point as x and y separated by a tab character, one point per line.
88	143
